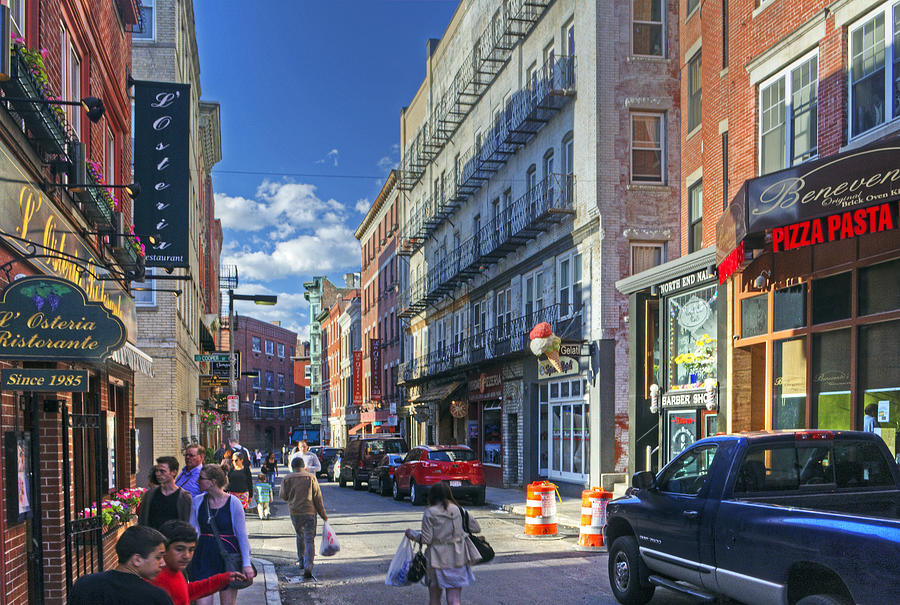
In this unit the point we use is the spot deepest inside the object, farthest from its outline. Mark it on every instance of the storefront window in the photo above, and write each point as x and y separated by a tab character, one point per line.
692	342
789	389
790	308
754	316
831	380
879	379
879	288
491	430
831	298
564	430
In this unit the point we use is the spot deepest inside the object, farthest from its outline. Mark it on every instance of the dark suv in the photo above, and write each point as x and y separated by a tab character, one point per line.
361	455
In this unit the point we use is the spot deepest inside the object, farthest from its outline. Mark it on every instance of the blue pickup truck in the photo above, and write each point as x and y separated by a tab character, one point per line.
787	518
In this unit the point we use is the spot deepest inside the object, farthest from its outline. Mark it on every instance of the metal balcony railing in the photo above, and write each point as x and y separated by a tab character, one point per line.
508	338
547	203
522	117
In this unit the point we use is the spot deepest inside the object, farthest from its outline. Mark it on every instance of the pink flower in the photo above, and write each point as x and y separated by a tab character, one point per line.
45	53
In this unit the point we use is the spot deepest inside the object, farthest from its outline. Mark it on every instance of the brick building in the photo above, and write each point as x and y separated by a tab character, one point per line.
380	296
74	448
340	339
173	328
302	395
538	167
267	389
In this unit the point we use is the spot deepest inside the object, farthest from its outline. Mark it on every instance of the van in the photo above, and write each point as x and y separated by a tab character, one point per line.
361	455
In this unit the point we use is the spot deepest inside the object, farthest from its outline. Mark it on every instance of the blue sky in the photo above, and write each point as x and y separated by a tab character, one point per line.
311	92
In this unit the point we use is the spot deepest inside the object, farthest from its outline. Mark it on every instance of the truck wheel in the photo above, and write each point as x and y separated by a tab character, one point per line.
341	481
822	599
627	573
357	484
398	495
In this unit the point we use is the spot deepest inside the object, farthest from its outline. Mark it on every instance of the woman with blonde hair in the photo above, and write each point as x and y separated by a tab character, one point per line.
217	513
450	553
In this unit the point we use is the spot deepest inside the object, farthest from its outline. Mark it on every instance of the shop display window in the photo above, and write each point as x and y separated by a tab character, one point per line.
492	434
564	430
691	322
879	381
831	381
790	308
879	288
831	298
789	388
754	316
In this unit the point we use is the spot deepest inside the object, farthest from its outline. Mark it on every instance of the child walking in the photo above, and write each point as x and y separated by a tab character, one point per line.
263	496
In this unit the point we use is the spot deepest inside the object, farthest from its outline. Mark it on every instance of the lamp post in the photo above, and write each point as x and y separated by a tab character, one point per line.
259	299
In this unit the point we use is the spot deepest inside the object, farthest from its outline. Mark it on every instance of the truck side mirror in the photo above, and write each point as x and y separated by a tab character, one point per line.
643	480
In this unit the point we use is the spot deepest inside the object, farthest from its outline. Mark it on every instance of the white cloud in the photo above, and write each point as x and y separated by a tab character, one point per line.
240	213
331	156
285	206
386	163
291	310
362	206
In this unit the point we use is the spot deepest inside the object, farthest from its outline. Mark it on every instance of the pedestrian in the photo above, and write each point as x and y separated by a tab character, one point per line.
166	501
450	553
219	454
284	459
270	468
240	481
301	491
225	512
310	460
193	460
263	496
236	447
181	540
140	553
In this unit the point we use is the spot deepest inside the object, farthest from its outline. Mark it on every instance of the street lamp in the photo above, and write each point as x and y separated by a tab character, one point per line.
259	299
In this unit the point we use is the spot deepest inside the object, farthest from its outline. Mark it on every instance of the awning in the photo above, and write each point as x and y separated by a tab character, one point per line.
436	393
356	428
132	357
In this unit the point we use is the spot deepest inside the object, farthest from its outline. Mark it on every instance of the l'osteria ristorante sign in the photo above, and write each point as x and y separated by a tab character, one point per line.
51	319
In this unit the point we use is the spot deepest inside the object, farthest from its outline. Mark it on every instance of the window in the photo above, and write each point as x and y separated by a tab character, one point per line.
17	16
724	34
568	151
281	350
725	179
148	14
109	170
647	148
788	112
874	67
70	74
281	383
548	163
691	324
306	371
564	429
647	28
570	40
491	426
146	297
533	297
256	344
257	411
503	306
569	274
645	256
478	323
694	92
270	347
688	473
695	216
254	379
691	6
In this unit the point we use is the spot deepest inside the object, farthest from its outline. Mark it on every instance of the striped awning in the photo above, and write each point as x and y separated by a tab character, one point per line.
132	357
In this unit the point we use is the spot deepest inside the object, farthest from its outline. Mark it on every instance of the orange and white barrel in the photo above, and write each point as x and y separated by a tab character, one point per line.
593	517
540	509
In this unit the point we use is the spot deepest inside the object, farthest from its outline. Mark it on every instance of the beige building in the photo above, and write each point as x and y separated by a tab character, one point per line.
170	326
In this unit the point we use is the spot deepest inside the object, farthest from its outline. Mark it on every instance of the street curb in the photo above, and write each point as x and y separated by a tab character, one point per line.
273	595
519	509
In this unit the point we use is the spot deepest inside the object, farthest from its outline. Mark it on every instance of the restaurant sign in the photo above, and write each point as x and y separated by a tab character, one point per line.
67	381
51	319
486	386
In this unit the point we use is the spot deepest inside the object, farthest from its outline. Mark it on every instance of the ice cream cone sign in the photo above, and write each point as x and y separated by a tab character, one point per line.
545	342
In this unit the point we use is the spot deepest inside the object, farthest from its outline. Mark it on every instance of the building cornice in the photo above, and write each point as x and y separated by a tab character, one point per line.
375	209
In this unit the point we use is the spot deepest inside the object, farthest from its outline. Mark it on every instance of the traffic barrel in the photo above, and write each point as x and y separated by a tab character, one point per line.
540	509
593	517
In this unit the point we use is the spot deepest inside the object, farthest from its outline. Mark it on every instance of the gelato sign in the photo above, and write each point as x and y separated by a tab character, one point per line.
48	318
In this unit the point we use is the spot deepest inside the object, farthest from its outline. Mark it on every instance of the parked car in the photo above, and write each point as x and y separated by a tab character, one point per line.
325	455
426	465
361	455
381	479
799	517
334	468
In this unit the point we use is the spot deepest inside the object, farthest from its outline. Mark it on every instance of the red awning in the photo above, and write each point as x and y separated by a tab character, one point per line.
359	426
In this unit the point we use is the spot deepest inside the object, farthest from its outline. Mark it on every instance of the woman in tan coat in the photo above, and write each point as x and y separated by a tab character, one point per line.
450	553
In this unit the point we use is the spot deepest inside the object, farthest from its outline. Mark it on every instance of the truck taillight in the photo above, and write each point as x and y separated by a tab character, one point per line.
362	464
814	436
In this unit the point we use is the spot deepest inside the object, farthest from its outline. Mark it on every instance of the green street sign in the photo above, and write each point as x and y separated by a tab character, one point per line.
220	357
70	381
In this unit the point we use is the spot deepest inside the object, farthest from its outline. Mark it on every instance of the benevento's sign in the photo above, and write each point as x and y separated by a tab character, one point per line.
48	318
844	225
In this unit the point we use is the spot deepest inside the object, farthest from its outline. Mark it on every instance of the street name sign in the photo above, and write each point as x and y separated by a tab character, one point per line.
221	357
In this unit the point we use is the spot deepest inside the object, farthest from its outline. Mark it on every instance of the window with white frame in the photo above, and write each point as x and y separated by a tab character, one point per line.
695	216
503	307
533	294
647	144
306	371
570	39
281	350
270	347
695	91
548	163
270	381
255	380
788	105
568	270
478	322
875	69
281	382
148	14
459	334
146	296
70	79
647	28
256	344
564	429
645	255
17	16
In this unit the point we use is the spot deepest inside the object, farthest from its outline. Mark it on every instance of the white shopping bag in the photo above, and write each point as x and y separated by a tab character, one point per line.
399	568
329	544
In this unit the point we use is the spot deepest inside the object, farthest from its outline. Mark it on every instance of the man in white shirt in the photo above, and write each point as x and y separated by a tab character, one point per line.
310	460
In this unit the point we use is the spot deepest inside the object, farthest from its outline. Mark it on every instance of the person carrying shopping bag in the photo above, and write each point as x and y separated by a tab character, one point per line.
301	491
450	553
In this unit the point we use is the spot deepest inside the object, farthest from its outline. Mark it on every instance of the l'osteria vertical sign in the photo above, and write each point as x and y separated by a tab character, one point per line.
161	166
50	319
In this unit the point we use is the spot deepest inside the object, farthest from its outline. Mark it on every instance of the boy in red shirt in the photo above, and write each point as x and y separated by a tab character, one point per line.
181	540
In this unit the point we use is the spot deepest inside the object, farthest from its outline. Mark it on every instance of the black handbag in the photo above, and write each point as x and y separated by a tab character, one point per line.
481	544
418	566
233	560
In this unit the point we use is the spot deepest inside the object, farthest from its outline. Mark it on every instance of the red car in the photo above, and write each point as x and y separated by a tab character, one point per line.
425	465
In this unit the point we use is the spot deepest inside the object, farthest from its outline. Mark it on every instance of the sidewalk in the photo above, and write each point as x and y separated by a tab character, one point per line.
568	512
264	590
